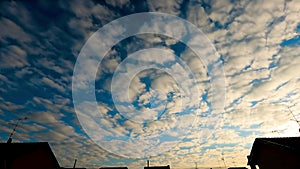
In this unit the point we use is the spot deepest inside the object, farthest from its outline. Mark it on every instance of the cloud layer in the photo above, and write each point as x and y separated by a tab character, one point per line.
257	43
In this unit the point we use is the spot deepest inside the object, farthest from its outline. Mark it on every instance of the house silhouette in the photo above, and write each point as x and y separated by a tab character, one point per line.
113	168
275	153
36	155
157	167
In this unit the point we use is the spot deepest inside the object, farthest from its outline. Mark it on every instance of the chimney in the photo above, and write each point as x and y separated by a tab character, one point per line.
148	163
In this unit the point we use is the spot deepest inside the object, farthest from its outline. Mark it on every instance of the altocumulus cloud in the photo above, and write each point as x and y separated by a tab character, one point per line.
257	41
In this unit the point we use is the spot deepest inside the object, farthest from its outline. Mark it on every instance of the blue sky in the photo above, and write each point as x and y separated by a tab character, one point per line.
258	48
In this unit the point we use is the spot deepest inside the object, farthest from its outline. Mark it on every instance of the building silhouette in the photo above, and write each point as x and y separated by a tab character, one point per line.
27	155
157	167
275	153
113	168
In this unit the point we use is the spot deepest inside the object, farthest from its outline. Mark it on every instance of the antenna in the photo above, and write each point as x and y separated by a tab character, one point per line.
233	162
289	107
75	163
291	112
14	130
278	131
223	159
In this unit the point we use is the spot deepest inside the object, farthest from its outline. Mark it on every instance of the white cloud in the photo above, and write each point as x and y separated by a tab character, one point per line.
170	7
257	95
53	84
13	56
13	31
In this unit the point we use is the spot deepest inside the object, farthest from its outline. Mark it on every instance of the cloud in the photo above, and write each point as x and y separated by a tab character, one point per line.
13	31
53	84
38	55
13	56
9	106
170	7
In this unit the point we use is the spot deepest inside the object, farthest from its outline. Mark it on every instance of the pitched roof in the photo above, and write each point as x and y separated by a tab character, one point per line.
291	144
15	150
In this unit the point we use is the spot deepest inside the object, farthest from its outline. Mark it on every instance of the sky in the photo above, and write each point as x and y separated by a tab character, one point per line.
161	94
